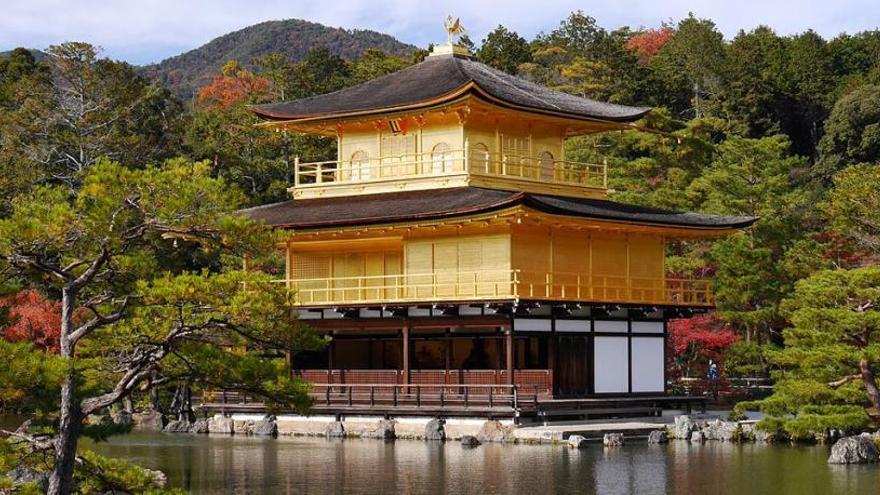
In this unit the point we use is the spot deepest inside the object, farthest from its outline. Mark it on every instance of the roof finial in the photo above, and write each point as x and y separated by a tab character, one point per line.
454	32
453	28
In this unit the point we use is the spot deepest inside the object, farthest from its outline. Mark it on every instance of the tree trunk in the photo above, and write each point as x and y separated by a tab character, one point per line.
61	479
870	382
70	422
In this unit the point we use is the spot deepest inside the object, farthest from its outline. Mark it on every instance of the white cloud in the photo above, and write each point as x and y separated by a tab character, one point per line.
148	30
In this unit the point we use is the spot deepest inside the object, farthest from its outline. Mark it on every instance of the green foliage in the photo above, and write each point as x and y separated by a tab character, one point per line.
505	50
745	359
29	378
132	323
98	474
692	61
852	132
835	322
853	205
374	64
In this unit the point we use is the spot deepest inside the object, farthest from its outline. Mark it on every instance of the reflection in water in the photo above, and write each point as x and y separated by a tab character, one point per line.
298	465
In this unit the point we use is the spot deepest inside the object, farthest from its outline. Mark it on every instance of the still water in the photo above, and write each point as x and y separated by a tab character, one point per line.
206	464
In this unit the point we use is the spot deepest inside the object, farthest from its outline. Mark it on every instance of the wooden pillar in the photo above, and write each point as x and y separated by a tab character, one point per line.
448	351
405	350
551	361
508	347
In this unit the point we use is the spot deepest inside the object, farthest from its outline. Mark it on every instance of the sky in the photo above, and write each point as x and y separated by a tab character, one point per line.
144	31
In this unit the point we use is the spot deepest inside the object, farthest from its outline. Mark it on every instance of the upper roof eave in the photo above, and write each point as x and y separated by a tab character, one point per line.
437	80
465	201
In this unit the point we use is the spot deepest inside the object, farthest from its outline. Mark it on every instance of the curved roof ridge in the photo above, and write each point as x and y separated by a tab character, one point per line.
436	80
455	202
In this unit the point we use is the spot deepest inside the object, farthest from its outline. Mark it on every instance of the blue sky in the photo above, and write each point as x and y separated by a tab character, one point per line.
142	31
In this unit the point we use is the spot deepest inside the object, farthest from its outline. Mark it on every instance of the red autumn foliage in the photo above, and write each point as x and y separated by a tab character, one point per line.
649	42
233	85
695	341
34	319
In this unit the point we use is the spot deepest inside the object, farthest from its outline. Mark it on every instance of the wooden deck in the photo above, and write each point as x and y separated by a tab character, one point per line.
492	401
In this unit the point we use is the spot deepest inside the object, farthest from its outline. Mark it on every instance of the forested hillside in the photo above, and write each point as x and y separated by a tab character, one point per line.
292	38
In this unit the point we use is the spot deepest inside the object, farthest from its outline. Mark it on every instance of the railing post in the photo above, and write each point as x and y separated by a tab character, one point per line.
296	171
605	172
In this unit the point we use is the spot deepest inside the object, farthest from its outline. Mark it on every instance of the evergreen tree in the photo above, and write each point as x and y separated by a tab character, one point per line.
852	132
826	372
505	50
126	324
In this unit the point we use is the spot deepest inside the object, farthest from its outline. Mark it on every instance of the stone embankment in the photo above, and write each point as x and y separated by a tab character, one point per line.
471	433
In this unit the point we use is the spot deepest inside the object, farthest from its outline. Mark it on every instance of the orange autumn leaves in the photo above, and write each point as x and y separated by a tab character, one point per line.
649	42
234	84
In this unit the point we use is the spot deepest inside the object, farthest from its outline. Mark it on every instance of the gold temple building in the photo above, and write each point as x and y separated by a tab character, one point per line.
462	264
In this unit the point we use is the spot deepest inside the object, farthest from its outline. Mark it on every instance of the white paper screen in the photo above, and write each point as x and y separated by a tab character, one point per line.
647	364
610	365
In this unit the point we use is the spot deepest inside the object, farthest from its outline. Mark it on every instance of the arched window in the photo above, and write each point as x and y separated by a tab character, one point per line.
547	172
441	159
360	165
480	158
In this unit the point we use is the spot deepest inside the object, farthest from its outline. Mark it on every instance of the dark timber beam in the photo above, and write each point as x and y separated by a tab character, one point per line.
508	347
405	346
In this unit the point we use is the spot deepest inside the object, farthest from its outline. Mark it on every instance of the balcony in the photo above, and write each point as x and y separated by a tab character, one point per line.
451	168
498	285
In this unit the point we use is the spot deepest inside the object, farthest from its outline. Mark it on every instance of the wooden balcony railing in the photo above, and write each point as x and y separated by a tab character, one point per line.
446	163
411	398
500	285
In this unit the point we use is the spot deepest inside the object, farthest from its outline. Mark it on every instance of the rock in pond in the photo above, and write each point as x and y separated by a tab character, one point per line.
149	421
492	431
384	430
612	439
470	441
266	427
159	478
658	437
121	417
200	426
859	449
683	427
577	442
762	436
221	424
698	437
722	430
435	429
178	426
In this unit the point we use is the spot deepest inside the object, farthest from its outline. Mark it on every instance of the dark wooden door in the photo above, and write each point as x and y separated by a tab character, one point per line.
573	366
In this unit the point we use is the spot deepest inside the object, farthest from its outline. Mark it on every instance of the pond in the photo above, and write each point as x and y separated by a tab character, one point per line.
217	464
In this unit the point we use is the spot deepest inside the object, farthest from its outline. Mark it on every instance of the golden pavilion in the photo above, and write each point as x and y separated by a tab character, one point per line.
461	263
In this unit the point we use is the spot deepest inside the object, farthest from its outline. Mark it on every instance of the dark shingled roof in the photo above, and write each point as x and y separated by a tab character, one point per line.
440	76
443	203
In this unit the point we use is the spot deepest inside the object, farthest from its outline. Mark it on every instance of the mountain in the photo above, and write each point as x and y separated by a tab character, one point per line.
187	72
39	55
